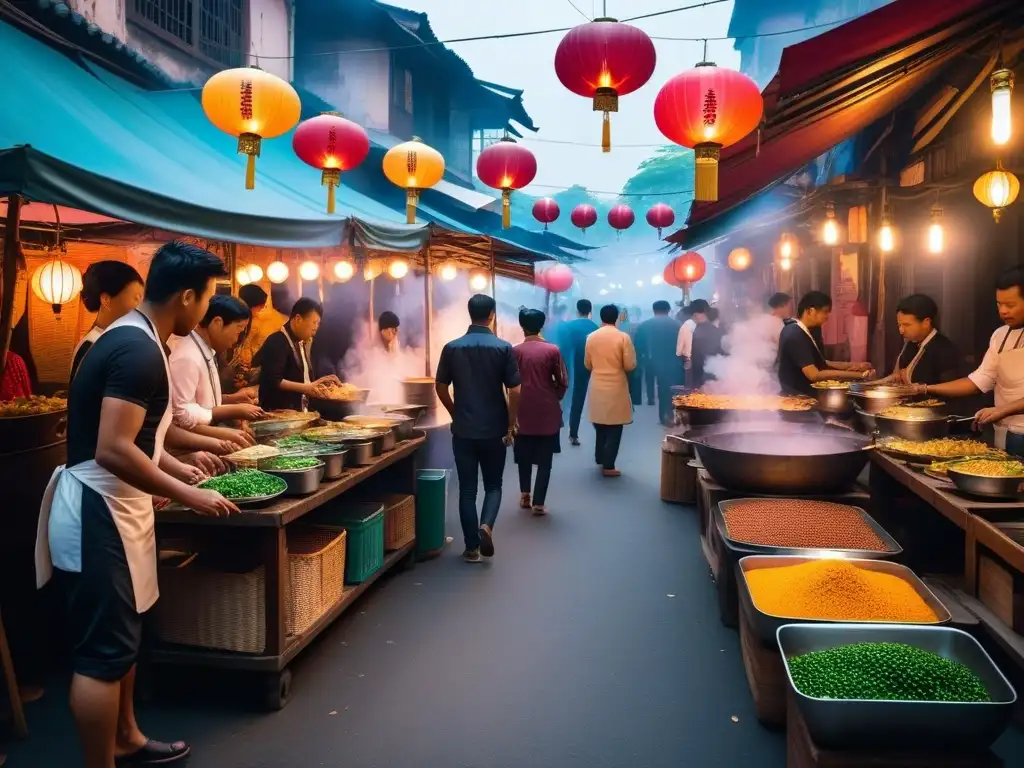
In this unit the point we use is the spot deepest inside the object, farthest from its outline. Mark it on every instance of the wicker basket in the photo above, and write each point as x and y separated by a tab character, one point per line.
316	565
399	520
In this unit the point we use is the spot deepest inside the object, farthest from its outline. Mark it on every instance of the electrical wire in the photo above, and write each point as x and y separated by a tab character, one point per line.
759	34
615	194
577	9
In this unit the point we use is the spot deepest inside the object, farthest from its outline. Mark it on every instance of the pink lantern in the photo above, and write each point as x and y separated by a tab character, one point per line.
546	211
583	216
558	279
540	278
661	216
621	217
332	144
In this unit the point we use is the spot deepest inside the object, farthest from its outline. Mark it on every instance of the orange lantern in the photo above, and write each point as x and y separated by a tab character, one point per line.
685	270
739	259
413	166
997	189
253	105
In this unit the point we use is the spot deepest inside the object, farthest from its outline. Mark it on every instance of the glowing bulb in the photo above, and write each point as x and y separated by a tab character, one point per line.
479	281
603	292
657	280
255	273
605	80
277	272
786	249
242	276
448	271
831	233
1002	113
398	268
887	237
714	297
936	237
371	271
309	270
785	263
999	191
344	270
689	271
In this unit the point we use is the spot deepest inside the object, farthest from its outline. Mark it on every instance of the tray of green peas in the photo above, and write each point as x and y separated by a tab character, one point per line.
247	487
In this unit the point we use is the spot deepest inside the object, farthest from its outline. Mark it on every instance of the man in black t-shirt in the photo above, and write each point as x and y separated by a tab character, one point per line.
97	514
801	352
927	356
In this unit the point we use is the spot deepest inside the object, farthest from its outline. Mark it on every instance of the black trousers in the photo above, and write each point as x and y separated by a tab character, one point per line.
609	436
648	373
580	382
540	488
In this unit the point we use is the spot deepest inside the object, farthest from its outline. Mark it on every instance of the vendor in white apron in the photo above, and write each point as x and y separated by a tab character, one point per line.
286	374
1001	370
110	289
927	355
96	522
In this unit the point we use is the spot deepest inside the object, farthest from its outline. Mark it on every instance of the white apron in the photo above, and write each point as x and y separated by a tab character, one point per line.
917	358
1009	380
301	356
90	338
211	368
59	534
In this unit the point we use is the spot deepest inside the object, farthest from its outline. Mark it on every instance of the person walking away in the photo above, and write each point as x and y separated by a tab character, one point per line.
574	337
110	290
286	377
927	356
657	337
480	368
645	372
801	351
96	530
707	343
628	323
698	310
544	384
610	358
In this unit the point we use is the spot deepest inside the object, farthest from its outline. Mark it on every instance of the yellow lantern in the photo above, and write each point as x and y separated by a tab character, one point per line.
447	271
277	272
309	270
739	259
56	282
997	189
253	105
413	166
343	270
398	268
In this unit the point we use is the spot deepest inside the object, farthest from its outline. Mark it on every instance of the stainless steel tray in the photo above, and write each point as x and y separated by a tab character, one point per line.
860	724
743	548
767	624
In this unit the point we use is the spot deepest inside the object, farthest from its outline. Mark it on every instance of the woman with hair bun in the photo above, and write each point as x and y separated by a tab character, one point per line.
110	290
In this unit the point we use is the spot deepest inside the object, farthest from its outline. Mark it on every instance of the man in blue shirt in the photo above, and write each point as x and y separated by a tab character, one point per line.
573	342
480	367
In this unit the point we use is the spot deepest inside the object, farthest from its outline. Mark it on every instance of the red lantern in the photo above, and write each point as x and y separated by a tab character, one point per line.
583	216
621	217
506	165
707	108
558	279
603	60
661	216
539	280
685	270
546	211
332	144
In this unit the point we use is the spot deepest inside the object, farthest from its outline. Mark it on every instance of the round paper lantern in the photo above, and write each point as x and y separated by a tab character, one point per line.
242	276
309	270
997	189
621	217
707	108
344	270
413	166
332	144
583	216
253	105
448	271
255	273
479	280
685	270
558	279
56	282
739	259
546	211
506	165
398	268
602	60
661	216
277	272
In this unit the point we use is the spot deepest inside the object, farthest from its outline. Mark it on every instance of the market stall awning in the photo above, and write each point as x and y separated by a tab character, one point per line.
832	86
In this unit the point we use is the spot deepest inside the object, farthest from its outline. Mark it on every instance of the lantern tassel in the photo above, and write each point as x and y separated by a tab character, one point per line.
606	133
410	206
330	178
506	208
250	144
705	187
330	198
250	172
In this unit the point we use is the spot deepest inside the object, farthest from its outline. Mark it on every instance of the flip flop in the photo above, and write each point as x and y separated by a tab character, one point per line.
155	753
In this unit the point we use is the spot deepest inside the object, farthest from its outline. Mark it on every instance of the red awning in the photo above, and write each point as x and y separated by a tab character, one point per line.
831	87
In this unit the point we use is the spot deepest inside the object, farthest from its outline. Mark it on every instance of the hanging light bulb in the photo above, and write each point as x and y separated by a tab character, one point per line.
887	233
398	268
255	273
448	271
479	280
785	263
343	270
786	247
372	270
242	276
936	237
57	282
277	272
1002	97
309	270
830	232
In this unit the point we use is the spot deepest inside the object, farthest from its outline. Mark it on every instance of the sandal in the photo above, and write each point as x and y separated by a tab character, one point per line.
524	501
539	510
155	753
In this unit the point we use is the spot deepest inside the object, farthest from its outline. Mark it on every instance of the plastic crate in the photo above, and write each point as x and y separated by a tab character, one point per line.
431	505
364	554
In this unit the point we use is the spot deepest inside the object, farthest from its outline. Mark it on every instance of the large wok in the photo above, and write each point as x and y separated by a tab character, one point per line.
781	461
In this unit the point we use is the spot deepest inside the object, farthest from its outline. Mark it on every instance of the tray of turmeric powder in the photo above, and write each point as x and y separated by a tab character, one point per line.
779	589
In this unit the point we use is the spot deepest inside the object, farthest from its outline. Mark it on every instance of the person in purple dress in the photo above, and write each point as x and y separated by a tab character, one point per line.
545	382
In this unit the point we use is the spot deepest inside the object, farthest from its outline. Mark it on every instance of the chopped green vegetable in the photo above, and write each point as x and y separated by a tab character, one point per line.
291	462
294	441
245	484
884	672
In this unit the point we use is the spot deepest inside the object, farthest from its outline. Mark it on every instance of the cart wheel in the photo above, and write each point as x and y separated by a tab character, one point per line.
277	689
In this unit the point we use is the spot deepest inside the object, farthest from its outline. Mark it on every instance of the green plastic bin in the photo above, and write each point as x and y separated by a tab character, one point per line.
364	549
431	504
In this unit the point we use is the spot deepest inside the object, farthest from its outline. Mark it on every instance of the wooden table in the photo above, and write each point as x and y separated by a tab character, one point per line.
264	529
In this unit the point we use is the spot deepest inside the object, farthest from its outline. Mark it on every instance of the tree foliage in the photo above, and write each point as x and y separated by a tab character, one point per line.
668	170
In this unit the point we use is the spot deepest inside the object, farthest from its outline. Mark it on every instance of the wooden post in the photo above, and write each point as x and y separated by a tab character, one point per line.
494	284
373	318
428	310
10	276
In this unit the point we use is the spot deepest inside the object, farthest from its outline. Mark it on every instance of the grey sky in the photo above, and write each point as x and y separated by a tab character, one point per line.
528	63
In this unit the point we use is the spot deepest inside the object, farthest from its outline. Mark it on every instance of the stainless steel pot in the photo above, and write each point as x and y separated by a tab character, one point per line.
833	399
918	430
301	482
782	462
334	463
420	392
385	442
360	453
1003	488
395	422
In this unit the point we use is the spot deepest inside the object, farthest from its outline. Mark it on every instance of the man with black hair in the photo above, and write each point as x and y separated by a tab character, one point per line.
387	327
780	312
574	344
110	290
698	310
656	346
199	405
96	520
927	356
801	350
707	343
286	379
482	369
610	357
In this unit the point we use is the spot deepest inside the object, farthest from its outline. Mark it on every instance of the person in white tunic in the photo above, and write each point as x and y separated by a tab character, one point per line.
110	290
1001	370
196	397
96	526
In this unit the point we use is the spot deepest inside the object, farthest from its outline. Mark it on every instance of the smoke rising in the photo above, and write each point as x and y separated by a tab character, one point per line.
748	367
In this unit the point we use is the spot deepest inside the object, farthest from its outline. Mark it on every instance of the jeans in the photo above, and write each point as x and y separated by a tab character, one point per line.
540	490
580	383
607	448
472	458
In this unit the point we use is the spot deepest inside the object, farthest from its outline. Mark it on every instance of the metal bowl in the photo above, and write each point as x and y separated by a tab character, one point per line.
862	725
767	624
1008	488
397	423
360	454
334	459
301	482
876	398
833	399
928	428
